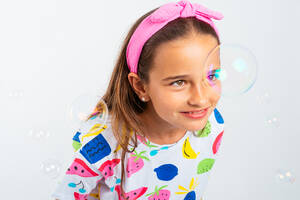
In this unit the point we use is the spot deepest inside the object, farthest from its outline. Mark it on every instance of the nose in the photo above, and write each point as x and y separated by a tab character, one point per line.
199	95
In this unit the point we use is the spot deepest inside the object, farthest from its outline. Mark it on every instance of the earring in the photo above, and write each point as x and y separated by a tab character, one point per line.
143	99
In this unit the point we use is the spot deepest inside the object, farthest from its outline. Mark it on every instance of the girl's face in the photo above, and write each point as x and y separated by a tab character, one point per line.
168	98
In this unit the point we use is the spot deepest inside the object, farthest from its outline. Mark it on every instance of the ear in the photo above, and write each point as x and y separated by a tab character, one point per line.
137	85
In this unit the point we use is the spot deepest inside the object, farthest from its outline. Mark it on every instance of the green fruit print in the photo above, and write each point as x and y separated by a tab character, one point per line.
205	165
76	145
205	131
76	141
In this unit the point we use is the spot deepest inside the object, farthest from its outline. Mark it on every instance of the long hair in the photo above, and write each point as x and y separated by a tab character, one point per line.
122	102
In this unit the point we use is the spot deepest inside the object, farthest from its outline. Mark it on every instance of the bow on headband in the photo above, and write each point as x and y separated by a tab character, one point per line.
184	9
160	18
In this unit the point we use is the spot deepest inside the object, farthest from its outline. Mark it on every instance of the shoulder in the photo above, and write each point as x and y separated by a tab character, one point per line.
97	139
100	148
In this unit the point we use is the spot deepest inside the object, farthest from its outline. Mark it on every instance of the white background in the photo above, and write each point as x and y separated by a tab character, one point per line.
53	51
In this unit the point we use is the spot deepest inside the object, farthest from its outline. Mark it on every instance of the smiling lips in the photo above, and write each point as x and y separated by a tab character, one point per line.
197	111
197	114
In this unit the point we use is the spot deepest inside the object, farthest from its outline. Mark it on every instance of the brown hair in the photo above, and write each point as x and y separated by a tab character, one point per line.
122	102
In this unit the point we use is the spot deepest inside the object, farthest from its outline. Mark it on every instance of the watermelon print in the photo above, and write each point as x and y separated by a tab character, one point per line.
107	167
152	171
132	195
217	143
81	169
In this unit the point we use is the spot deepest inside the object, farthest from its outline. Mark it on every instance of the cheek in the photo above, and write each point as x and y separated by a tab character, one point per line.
214	97
167	99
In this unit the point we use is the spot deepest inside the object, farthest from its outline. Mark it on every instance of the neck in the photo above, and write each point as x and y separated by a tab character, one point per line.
159	131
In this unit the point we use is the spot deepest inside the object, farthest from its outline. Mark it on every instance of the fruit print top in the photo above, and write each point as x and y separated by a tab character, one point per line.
167	172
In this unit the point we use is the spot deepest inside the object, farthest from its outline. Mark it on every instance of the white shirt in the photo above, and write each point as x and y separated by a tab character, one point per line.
174	171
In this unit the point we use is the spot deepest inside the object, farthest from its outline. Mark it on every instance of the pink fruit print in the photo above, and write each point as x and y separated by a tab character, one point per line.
135	162
78	196
159	193
107	167
132	195
144	141
79	168
217	143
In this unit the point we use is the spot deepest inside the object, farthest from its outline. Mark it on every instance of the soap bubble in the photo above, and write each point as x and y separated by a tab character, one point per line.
272	121
285	176
235	69
85	105
264	98
51	168
100	112
16	94
38	134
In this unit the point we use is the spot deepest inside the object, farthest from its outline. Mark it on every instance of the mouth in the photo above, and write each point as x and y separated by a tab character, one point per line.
197	111
196	114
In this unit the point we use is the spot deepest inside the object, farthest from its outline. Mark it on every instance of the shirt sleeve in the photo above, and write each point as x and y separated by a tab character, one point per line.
82	176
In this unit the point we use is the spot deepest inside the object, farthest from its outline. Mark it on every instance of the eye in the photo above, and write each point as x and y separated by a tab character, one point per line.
176	82
212	76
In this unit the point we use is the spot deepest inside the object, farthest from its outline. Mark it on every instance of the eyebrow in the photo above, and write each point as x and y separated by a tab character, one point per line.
183	76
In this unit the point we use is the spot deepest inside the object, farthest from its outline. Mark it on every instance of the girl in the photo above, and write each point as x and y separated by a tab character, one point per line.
163	129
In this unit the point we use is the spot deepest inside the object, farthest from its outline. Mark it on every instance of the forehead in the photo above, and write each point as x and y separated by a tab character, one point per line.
182	55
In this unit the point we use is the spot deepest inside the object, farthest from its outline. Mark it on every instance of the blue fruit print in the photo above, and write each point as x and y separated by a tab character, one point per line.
76	141
166	172
76	136
96	149
190	196
218	116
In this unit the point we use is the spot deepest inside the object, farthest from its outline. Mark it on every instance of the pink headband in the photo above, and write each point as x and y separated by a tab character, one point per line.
159	19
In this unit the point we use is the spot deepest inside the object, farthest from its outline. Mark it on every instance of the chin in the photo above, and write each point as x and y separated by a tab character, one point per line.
198	125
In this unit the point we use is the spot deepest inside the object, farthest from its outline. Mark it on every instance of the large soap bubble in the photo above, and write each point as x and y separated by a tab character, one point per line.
84	106
230	70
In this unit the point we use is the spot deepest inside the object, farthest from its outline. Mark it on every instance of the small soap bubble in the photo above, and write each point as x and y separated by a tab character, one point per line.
230	70
51	168
38	134
285	176
17	93
272	121
264	98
